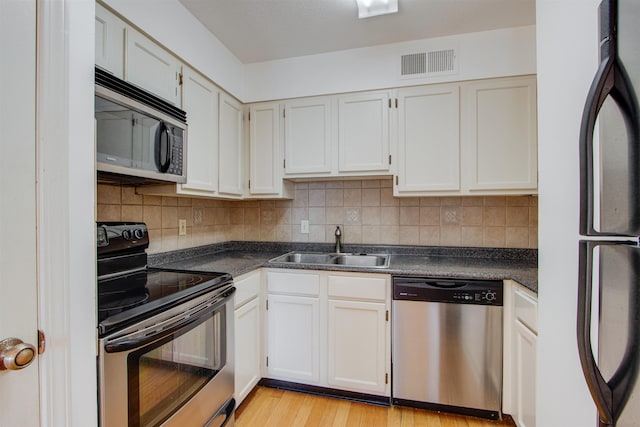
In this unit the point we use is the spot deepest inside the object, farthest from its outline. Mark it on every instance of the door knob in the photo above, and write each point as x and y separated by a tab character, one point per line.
15	354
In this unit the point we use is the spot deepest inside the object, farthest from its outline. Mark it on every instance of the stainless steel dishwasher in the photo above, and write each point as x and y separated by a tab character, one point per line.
447	345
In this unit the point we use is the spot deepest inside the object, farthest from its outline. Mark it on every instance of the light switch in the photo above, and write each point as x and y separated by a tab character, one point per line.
304	226
182	227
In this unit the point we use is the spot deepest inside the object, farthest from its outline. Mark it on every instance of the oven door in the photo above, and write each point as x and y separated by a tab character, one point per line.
175	368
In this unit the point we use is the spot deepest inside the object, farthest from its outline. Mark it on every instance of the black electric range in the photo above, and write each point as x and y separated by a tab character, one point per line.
129	291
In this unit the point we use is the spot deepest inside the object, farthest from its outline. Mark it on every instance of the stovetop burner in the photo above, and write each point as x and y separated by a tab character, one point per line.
128	291
137	295
114	303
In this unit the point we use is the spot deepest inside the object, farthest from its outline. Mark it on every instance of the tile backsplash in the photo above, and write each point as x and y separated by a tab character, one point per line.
366	211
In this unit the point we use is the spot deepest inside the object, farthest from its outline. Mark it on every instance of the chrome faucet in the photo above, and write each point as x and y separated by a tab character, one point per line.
338	235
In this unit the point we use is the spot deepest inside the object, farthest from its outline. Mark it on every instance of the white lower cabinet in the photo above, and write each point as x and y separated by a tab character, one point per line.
520	354
329	329
358	334
293	338
248	334
293	326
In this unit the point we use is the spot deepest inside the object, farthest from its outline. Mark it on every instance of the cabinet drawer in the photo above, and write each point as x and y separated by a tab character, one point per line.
526	309
369	288
293	283
247	288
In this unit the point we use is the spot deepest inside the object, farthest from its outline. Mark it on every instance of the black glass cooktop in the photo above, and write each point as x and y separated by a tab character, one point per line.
127	298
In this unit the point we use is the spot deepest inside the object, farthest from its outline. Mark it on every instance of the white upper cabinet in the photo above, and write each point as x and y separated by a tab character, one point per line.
428	140
363	132
308	136
266	152
500	134
150	67
200	101
109	41
230	171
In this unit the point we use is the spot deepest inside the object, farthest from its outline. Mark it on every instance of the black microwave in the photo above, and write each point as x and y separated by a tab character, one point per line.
140	137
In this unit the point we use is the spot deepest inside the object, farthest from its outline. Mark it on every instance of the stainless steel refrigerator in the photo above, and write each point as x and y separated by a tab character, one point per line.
608	327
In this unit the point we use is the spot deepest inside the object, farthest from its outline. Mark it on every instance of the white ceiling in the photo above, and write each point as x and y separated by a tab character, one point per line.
263	30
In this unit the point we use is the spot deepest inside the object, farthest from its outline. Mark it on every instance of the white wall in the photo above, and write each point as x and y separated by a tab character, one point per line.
485	54
170	24
567	60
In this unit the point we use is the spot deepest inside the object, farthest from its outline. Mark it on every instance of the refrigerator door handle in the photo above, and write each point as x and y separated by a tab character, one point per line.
611	80
600	391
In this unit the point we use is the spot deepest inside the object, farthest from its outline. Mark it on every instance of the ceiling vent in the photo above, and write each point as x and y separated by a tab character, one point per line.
427	64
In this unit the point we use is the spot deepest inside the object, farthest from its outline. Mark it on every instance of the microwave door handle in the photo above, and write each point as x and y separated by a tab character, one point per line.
162	132
598	387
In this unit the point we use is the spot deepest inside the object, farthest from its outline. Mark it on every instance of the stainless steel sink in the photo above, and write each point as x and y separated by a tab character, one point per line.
362	260
347	260
305	258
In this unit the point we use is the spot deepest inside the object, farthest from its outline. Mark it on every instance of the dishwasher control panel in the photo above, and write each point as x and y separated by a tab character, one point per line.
459	291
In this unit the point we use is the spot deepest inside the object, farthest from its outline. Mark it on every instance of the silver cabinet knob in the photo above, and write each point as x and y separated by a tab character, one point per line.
15	354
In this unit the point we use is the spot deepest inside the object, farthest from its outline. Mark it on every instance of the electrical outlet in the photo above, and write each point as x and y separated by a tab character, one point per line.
182	227
304	226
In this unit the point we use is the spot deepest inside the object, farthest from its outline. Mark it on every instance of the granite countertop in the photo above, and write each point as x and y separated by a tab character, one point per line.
238	258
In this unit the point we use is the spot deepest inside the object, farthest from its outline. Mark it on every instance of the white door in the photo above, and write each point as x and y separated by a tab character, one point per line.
200	101
247	348
307	136
19	405
265	156
293	338
150	67
363	132
525	376
428	139
356	347
500	134
230	173
109	41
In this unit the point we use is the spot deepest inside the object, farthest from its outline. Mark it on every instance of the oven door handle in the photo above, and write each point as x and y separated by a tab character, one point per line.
137	339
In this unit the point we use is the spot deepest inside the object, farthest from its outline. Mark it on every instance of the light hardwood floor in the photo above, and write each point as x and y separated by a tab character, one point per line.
277	408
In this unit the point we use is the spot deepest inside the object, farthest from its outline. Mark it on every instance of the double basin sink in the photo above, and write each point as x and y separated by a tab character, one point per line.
339	259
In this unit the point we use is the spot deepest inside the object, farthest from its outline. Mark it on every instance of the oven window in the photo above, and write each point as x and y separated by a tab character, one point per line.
164	375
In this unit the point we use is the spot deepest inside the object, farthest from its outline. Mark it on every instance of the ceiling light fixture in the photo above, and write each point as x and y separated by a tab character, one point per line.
368	8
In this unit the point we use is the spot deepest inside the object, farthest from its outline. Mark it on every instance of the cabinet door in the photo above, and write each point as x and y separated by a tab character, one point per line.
308	136
357	338
500	134
230	161
363	132
293	338
109	42
265	156
150	67
525	376
200	101
247	348
428	139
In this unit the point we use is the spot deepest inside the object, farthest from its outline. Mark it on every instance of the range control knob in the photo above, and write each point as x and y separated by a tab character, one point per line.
490	296
138	233
126	234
